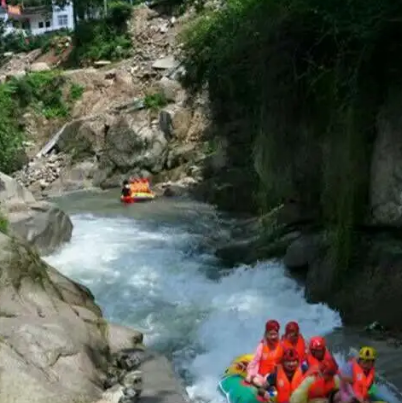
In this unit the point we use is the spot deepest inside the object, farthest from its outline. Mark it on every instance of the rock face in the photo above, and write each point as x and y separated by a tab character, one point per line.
386	167
129	144
53	337
41	224
362	293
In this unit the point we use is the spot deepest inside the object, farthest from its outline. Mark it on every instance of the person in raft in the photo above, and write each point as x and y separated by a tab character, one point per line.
285	378
319	383
317	352
294	339
360	373
126	190
268	354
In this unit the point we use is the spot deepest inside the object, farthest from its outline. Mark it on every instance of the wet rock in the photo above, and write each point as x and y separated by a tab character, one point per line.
374	326
128	359
302	251
371	285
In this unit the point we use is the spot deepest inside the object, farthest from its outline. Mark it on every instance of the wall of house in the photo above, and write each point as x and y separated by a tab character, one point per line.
41	23
60	18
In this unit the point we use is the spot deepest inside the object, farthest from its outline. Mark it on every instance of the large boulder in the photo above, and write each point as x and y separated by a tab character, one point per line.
42	225
121	145
131	143
54	345
76	177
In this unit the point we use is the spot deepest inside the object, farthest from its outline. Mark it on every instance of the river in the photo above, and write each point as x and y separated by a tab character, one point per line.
152	266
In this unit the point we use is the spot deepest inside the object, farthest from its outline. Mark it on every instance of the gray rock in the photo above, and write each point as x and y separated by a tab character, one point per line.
131	144
182	154
301	252
77	177
175	121
41	224
160	383
39	66
122	338
165	63
43	360
44	226
171	89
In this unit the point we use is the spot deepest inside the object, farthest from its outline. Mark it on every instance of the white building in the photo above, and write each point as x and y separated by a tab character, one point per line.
37	20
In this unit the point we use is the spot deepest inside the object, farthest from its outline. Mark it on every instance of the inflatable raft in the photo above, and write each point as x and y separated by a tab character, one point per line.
236	390
137	197
233	385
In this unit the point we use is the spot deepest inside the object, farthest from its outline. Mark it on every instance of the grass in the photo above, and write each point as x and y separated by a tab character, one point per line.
3	224
155	101
76	92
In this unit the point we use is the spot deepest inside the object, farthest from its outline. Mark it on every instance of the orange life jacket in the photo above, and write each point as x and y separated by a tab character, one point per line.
320	389
270	358
313	362
285	387
300	346
361	381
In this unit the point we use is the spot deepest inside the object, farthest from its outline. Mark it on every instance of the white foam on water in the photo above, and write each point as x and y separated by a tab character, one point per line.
147	278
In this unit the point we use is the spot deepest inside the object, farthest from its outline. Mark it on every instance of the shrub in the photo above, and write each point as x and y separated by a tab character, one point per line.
76	91
3	224
106	38
43	91
155	101
17	42
11	134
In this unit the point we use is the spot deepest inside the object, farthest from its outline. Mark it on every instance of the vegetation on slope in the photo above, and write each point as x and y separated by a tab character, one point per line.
41	92
307	78
105	38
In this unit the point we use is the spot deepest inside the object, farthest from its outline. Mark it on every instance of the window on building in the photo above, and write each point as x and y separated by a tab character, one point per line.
41	24
48	24
62	20
26	25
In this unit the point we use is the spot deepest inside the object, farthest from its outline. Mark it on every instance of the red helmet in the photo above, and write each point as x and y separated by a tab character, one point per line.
328	367
290	354
317	343
292	327
272	325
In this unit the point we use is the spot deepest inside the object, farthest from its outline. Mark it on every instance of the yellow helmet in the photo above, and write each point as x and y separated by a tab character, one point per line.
367	353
